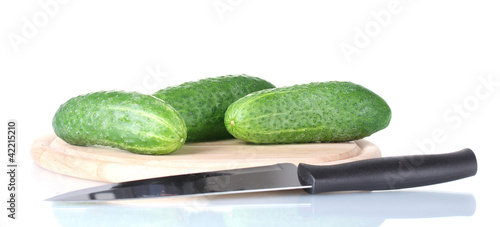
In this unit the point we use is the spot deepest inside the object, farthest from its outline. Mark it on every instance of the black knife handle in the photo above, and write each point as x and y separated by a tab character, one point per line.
389	172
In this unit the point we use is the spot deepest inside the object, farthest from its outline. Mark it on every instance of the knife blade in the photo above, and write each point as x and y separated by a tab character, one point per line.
386	173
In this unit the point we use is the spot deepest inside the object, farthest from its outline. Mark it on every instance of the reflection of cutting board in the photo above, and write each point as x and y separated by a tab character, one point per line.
114	165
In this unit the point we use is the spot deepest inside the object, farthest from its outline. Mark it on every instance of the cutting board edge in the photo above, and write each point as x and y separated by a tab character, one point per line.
93	170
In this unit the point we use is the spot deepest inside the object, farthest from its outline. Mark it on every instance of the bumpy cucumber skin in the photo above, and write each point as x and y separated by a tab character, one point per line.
203	103
129	121
317	112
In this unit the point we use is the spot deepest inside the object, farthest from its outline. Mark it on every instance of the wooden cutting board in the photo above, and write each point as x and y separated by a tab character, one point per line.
114	165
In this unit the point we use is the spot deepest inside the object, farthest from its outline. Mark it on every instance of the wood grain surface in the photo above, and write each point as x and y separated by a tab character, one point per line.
114	165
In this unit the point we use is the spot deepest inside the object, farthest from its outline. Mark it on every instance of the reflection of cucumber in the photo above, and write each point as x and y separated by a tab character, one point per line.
129	121
203	103
328	112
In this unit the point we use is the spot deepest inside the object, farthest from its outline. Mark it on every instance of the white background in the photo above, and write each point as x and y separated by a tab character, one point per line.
435	63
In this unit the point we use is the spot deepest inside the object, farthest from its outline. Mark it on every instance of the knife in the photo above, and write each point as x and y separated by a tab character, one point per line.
386	173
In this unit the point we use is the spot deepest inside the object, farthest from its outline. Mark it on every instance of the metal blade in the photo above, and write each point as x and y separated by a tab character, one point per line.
255	179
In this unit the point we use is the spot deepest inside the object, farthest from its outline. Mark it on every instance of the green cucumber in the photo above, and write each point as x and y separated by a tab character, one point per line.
203	103
126	120
317	112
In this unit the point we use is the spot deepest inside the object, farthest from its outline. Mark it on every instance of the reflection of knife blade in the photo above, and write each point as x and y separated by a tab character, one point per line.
372	174
282	209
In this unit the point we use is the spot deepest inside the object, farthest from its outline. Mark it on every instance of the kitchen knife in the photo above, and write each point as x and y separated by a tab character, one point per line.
385	173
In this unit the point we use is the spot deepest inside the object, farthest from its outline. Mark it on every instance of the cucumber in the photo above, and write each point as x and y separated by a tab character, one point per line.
317	112
129	121
203	103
